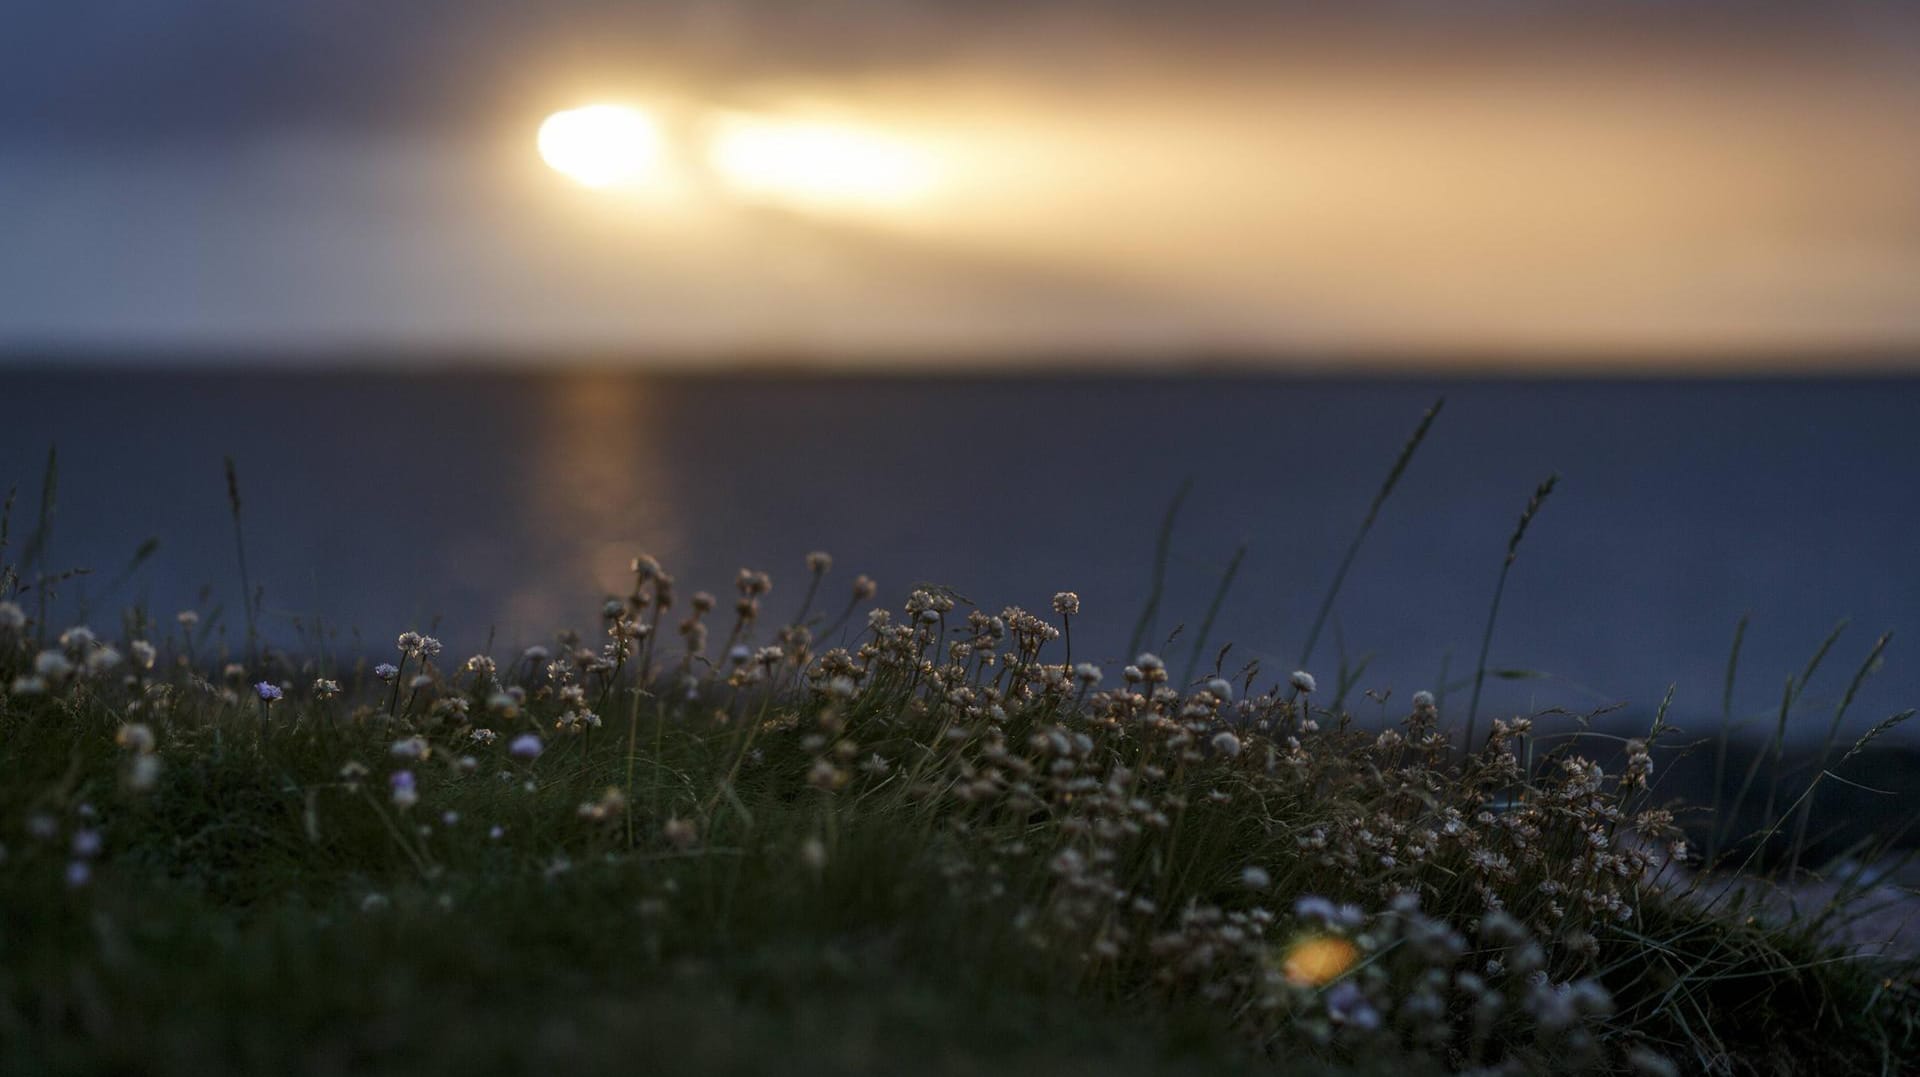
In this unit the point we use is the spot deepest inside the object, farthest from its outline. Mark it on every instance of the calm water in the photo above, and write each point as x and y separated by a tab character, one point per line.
510	504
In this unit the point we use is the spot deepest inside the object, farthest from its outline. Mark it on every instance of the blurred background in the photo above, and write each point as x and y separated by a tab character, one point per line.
485	298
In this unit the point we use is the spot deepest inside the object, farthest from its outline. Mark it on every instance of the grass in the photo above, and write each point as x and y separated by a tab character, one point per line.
920	842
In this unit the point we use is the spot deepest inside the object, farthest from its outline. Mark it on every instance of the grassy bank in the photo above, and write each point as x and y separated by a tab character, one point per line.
920	839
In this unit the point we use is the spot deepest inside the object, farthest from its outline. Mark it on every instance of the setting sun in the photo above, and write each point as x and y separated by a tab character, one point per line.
600	145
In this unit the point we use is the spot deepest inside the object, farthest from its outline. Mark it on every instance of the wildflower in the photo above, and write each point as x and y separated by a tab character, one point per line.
409	643
813	854
386	671
1423	700
144	774
12	617
819	561
404	794
1347	1005
1221	689
325	689
842	688
483	736
135	736
1066	604
77	638
1226	743
1254	877
26	685
526	746
42	826
496	832
79	874
864	588
681	833
268	692
102	659
51	665
1302	682
611	805
375	902
144	653
1639	762
86	843
410	748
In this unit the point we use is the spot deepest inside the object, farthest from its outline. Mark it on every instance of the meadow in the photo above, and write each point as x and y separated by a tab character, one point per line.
860	836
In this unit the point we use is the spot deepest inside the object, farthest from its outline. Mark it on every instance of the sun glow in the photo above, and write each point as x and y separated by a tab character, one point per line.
601	145
1317	960
817	164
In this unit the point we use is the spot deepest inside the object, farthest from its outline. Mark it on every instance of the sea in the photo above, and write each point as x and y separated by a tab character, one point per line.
494	507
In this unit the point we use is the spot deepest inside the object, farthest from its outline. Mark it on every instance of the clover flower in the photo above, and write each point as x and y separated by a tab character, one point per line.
526	746
268	692
1226	743
386	671
1066	604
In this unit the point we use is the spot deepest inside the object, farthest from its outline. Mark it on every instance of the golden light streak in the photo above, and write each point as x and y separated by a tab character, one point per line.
817	164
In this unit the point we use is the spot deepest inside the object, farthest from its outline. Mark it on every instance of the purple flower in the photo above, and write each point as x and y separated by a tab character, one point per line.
386	671
526	746
268	692
404	795
1347	1005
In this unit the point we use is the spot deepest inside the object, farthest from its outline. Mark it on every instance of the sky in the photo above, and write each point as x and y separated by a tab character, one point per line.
1109	182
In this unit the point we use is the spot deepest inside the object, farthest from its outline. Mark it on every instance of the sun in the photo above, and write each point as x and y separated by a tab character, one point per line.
601	145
